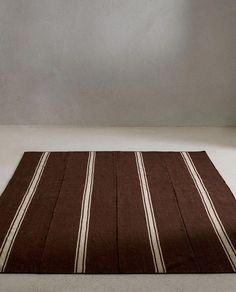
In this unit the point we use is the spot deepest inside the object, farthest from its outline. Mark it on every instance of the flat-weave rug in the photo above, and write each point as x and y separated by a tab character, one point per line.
117	212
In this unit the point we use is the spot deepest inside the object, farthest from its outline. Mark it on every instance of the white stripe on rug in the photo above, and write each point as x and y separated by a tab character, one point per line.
10	237
81	248
211	211
150	218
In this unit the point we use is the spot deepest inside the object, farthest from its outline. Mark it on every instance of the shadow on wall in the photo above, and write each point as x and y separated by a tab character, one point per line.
118	63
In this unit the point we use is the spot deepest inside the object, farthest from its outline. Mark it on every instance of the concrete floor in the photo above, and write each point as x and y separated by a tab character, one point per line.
220	144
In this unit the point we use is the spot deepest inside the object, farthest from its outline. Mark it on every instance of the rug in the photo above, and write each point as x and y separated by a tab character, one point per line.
117	212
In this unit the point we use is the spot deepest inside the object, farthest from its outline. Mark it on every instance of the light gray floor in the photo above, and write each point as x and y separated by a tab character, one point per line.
220	144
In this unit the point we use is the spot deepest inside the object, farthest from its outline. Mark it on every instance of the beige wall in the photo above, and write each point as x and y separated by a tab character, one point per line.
118	62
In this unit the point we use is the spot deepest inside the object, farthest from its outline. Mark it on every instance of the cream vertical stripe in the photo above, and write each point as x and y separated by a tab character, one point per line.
10	237
81	248
211	211
150	218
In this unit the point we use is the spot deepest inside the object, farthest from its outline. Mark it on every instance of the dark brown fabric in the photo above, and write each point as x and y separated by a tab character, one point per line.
59	253
29	243
14	192
103	207
102	255
176	246
220	193
134	247
209	255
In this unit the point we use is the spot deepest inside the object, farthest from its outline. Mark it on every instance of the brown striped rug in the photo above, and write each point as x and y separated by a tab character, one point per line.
117	212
